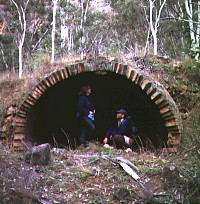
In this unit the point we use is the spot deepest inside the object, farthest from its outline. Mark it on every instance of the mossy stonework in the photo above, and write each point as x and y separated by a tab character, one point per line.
153	89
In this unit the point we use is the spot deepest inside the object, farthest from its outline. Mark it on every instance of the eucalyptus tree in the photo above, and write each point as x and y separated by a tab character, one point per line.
142	26
54	3
71	32
172	31
16	25
129	26
39	24
81	29
70	19
182	32
24	20
98	33
6	42
21	11
153	18
67	24
84	5
193	17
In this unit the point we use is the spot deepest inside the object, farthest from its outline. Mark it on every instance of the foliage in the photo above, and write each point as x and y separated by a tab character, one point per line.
192	8
192	136
39	59
192	72
124	29
8	53
188	160
129	24
172	42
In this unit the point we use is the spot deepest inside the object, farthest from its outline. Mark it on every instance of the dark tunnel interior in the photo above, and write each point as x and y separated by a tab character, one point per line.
53	117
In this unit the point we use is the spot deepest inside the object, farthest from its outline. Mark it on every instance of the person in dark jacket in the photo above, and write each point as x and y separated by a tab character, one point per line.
85	114
121	133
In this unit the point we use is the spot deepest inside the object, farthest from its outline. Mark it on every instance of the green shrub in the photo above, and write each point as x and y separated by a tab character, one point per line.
192	72
192	136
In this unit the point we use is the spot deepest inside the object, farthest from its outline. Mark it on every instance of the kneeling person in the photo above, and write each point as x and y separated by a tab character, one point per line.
121	133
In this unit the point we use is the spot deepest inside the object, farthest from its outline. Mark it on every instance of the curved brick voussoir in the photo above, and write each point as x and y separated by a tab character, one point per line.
133	75
75	69
155	91
120	68
114	66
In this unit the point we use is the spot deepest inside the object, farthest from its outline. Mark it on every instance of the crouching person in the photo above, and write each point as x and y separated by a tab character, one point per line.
121	133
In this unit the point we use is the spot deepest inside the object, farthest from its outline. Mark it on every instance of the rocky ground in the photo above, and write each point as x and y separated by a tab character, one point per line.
85	176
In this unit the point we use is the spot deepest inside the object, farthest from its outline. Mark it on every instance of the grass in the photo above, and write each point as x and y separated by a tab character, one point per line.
81	176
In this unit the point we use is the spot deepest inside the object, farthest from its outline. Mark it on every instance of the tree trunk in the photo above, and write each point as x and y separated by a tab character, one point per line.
189	10
84	10
21	38
198	32
194	34
53	31
63	28
3	56
20	61
155	43
66	31
154	25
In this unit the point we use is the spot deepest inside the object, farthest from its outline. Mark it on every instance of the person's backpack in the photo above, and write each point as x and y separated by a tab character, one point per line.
133	126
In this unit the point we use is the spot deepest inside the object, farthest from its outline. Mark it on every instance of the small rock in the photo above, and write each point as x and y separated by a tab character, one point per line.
122	193
39	155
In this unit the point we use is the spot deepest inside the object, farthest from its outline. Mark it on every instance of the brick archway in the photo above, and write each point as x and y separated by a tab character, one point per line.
155	91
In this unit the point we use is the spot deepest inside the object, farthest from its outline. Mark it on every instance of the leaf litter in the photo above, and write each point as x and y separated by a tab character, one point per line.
94	175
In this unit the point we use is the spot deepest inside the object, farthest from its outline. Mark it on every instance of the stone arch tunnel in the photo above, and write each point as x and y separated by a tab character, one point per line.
48	113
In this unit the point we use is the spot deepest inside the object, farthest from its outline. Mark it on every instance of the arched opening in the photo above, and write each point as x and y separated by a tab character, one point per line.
53	117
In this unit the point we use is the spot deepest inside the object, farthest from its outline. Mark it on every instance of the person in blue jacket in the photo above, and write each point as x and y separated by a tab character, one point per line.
121	133
85	114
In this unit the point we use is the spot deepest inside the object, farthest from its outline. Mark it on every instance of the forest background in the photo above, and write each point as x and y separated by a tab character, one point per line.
38	34
56	30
